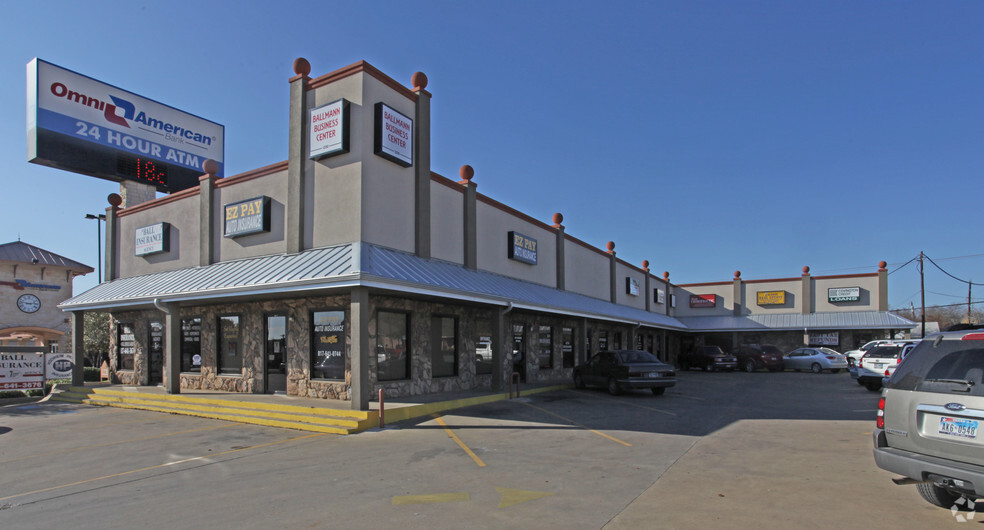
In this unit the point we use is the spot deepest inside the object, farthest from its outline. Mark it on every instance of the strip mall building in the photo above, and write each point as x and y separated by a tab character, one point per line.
352	267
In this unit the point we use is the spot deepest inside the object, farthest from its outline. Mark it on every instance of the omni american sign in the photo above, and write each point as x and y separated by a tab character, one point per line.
82	125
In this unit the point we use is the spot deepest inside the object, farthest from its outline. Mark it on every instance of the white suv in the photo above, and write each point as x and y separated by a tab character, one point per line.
880	362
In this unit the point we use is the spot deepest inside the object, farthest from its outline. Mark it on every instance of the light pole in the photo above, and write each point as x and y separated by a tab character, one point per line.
98	218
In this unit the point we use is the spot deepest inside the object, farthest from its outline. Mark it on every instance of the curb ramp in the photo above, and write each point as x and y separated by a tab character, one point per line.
314	419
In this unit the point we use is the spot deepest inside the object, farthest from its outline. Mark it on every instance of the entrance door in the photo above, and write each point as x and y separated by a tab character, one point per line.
275	372
156	334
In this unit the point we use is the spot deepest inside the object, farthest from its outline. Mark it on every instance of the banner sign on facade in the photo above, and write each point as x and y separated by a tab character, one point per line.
329	345
329	129
394	136
152	239
631	286
522	248
660	296
21	371
703	300
82	125
247	217
771	297
844	294
824	339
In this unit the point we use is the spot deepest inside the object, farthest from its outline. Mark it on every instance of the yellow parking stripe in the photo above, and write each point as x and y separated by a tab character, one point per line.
159	466
431	499
572	422
459	442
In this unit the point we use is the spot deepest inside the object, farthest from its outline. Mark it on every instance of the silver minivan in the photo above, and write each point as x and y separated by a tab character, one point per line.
929	419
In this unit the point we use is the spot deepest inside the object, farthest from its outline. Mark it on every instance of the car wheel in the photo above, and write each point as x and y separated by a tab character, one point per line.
659	391
936	495
816	368
749	366
613	388
860	382
708	367
873	386
578	381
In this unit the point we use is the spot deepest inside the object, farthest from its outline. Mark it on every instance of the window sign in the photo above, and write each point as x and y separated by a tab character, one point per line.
660	296
191	344
522	248
394	136
126	346
824	339
247	217
545	342
483	347
631	286
844	294
703	300
328	129
328	345
567	347
152	239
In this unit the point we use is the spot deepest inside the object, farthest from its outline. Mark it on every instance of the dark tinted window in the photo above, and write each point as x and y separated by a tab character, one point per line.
771	349
950	367
884	352
637	357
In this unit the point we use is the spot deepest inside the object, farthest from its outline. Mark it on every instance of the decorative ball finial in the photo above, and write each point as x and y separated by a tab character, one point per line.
882	265
645	264
418	80
466	172
211	167
806	269
558	218
737	274
611	246
302	66
114	199
666	276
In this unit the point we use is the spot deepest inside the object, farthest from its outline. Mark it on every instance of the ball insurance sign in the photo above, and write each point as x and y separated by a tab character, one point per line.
85	126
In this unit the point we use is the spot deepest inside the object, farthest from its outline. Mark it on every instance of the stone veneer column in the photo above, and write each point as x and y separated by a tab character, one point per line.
172	348
421	165
359	315
558	218
882	286
613	270
206	216
499	342
112	228
470	214
739	301
294	229
807	291
78	348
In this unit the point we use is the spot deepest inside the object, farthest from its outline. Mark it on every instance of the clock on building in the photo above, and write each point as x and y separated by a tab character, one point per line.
28	303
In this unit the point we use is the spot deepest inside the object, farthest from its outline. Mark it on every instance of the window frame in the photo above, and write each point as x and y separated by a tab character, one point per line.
313	353
434	350
190	368
220	352
407	350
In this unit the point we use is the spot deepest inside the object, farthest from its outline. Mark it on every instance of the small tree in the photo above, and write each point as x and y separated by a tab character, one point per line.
96	341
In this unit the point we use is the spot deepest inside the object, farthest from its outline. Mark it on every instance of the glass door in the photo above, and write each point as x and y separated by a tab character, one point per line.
275	366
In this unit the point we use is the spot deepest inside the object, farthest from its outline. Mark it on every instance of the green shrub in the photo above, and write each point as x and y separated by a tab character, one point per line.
11	394
91	373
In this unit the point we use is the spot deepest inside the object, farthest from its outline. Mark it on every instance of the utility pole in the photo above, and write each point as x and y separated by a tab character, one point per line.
970	285
922	293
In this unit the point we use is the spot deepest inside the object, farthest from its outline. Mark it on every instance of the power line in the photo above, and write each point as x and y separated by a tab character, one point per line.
952	276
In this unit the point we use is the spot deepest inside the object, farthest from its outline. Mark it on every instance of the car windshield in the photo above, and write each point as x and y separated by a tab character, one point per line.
637	357
884	352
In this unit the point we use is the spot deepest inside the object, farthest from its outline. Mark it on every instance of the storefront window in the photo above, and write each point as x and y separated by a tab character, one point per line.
519	352
483	347
618	340
567	346
230	350
639	339
191	344
328	345
126	346
444	346
602	341
392	340
546	347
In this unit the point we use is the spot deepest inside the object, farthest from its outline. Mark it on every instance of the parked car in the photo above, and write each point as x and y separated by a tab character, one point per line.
625	370
815	359
753	357
709	358
854	356
881	361
927	429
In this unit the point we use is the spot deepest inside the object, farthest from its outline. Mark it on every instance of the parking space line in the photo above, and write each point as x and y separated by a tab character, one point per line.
572	422
117	442
458	441
431	499
158	466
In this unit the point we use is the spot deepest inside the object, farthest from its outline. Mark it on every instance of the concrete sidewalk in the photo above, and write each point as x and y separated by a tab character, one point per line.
782	474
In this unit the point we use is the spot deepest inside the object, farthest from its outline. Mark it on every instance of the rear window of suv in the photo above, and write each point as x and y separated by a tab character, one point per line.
952	367
883	352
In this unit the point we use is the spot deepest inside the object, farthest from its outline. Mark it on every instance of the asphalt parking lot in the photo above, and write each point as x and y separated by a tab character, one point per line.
718	450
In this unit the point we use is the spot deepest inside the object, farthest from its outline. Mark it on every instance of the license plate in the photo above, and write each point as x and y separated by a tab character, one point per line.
879	366
652	375
960	428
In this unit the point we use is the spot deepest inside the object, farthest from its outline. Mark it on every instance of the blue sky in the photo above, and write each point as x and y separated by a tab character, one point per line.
703	136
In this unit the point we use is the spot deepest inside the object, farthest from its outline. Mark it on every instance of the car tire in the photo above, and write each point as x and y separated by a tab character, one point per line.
658	391
578	381
816	368
860	382
749	366
936	495
613	388
873	386
708	367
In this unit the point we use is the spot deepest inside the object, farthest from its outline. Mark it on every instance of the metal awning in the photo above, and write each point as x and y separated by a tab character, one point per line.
791	321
